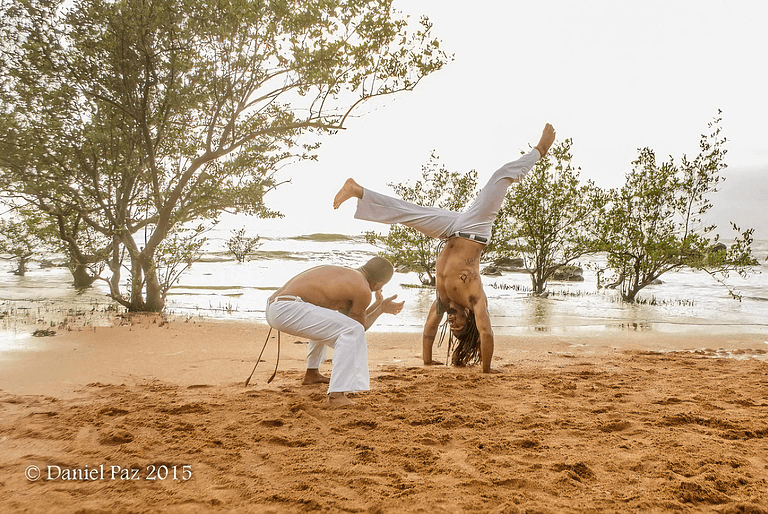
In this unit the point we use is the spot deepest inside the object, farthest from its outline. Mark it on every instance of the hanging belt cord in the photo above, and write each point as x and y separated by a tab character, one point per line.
247	381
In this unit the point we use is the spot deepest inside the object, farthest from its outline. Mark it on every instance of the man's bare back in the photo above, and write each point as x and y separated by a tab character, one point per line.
333	287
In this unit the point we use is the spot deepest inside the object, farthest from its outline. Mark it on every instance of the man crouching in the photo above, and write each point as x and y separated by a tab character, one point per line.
331	306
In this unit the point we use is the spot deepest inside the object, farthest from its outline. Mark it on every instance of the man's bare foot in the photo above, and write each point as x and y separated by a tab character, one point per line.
547	138
433	363
313	376
348	190
338	400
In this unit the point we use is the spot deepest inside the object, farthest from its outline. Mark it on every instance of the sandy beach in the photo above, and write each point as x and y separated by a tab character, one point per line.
151	415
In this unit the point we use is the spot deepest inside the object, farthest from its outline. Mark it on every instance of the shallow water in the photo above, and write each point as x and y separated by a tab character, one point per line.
220	287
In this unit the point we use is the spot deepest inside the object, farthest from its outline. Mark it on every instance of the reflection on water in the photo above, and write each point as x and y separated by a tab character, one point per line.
13	339
46	299
639	327
541	312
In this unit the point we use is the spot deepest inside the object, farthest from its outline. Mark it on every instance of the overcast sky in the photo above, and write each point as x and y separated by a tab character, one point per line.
613	76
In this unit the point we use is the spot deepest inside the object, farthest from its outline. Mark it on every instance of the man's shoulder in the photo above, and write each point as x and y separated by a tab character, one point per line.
329	270
344	278
344	272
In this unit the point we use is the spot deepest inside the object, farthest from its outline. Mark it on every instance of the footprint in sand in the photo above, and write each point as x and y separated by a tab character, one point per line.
113	411
190	408
615	426
115	437
580	470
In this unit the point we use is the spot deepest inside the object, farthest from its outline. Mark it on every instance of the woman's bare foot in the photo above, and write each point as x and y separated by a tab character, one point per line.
348	190
547	138
338	400
313	376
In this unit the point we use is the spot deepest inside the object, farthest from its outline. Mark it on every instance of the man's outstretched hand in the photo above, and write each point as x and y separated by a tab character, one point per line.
389	306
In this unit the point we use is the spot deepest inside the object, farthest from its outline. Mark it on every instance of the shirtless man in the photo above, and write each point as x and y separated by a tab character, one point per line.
459	288
331	306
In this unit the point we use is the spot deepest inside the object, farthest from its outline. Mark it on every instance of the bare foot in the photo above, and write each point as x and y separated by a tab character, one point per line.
433	363
338	400
313	376
547	138
348	190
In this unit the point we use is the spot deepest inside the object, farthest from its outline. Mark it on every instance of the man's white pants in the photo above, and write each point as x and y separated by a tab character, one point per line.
441	223
325	327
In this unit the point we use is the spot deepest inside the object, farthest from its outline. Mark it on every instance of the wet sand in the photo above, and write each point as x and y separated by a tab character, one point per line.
153	416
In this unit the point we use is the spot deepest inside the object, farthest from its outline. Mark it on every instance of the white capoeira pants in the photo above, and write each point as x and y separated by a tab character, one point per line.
441	223
325	327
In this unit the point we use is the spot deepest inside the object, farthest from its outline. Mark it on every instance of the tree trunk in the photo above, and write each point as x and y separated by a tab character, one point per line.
154	300
81	276
538	283
136	303
78	266
630	293
22	269
630	296
77	261
114	281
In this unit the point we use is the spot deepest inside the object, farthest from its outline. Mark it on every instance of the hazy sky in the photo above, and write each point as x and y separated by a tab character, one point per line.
613	76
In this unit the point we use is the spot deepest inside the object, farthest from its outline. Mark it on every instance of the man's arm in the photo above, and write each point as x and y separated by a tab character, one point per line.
358	308
376	303
367	316
483	321
430	332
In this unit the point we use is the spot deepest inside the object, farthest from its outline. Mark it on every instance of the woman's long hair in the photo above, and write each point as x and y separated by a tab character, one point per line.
465	346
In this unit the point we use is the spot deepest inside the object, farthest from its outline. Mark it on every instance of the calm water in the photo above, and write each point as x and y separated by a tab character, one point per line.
220	287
